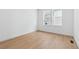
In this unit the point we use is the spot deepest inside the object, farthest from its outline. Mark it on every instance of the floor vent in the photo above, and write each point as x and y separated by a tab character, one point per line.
71	41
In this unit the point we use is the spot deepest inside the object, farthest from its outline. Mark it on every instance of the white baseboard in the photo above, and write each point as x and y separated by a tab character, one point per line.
4	38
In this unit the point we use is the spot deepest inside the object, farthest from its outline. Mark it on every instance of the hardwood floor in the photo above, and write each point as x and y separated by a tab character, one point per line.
40	40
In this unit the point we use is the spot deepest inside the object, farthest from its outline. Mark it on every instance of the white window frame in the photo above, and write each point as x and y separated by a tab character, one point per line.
49	16
57	17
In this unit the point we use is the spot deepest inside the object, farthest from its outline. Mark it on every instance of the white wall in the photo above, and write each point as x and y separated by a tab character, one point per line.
76	26
67	28
16	22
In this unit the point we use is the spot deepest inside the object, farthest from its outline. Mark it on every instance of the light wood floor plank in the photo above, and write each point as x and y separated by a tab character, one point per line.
40	40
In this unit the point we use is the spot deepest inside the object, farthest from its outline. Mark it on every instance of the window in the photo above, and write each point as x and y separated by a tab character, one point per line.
47	17
52	17
57	17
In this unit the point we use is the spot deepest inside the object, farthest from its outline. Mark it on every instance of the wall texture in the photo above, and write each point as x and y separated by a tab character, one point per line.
66	28
16	22
76	26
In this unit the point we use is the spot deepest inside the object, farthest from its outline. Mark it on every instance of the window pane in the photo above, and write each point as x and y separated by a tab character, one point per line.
57	17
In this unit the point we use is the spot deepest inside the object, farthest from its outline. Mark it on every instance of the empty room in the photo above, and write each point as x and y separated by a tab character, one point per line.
39	28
